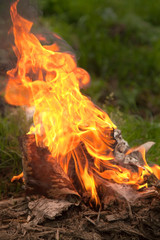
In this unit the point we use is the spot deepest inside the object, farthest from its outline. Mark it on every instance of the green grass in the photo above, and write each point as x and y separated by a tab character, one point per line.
137	130
118	43
12	125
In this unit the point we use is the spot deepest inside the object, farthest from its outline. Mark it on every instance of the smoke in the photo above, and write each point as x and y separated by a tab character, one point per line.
8	59
28	9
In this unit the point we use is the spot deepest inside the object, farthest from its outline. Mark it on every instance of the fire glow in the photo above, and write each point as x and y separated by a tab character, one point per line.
50	81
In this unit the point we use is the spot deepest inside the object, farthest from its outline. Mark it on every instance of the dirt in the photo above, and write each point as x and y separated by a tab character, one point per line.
120	219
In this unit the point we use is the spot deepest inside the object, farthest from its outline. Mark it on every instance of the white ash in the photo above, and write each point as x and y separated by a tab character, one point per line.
121	147
133	158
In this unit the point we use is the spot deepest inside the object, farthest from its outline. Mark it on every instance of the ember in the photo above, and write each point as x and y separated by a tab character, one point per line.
66	122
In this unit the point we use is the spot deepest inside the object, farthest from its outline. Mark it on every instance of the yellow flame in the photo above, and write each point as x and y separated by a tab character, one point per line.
64	119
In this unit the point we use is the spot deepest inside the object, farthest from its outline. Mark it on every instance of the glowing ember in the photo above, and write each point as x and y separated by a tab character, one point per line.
50	81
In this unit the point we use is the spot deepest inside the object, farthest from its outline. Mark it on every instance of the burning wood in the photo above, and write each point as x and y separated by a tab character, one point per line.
73	151
73	146
47	177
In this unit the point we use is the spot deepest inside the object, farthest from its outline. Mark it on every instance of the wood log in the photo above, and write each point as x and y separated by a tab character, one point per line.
42	173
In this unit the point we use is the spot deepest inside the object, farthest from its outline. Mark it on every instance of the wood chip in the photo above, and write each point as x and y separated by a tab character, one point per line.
115	217
45	208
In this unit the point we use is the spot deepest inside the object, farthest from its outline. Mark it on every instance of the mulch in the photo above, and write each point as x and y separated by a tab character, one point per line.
119	219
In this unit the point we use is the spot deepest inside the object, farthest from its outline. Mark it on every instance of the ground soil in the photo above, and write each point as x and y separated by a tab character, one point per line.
119	219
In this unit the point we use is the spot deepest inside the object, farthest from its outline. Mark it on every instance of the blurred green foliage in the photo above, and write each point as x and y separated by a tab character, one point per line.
136	130
118	43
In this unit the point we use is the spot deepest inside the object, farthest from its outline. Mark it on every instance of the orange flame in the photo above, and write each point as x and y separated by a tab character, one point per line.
15	178
41	37
64	119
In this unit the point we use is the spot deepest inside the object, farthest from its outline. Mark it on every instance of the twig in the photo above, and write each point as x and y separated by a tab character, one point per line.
90	220
4	226
98	216
19	205
7	203
130	210
94	213
44	233
57	234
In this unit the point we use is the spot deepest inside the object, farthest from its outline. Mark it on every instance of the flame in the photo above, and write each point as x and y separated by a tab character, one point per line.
41	37
15	178
65	121
156	170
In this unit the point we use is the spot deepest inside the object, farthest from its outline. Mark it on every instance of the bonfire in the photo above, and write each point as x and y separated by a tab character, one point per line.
72	152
